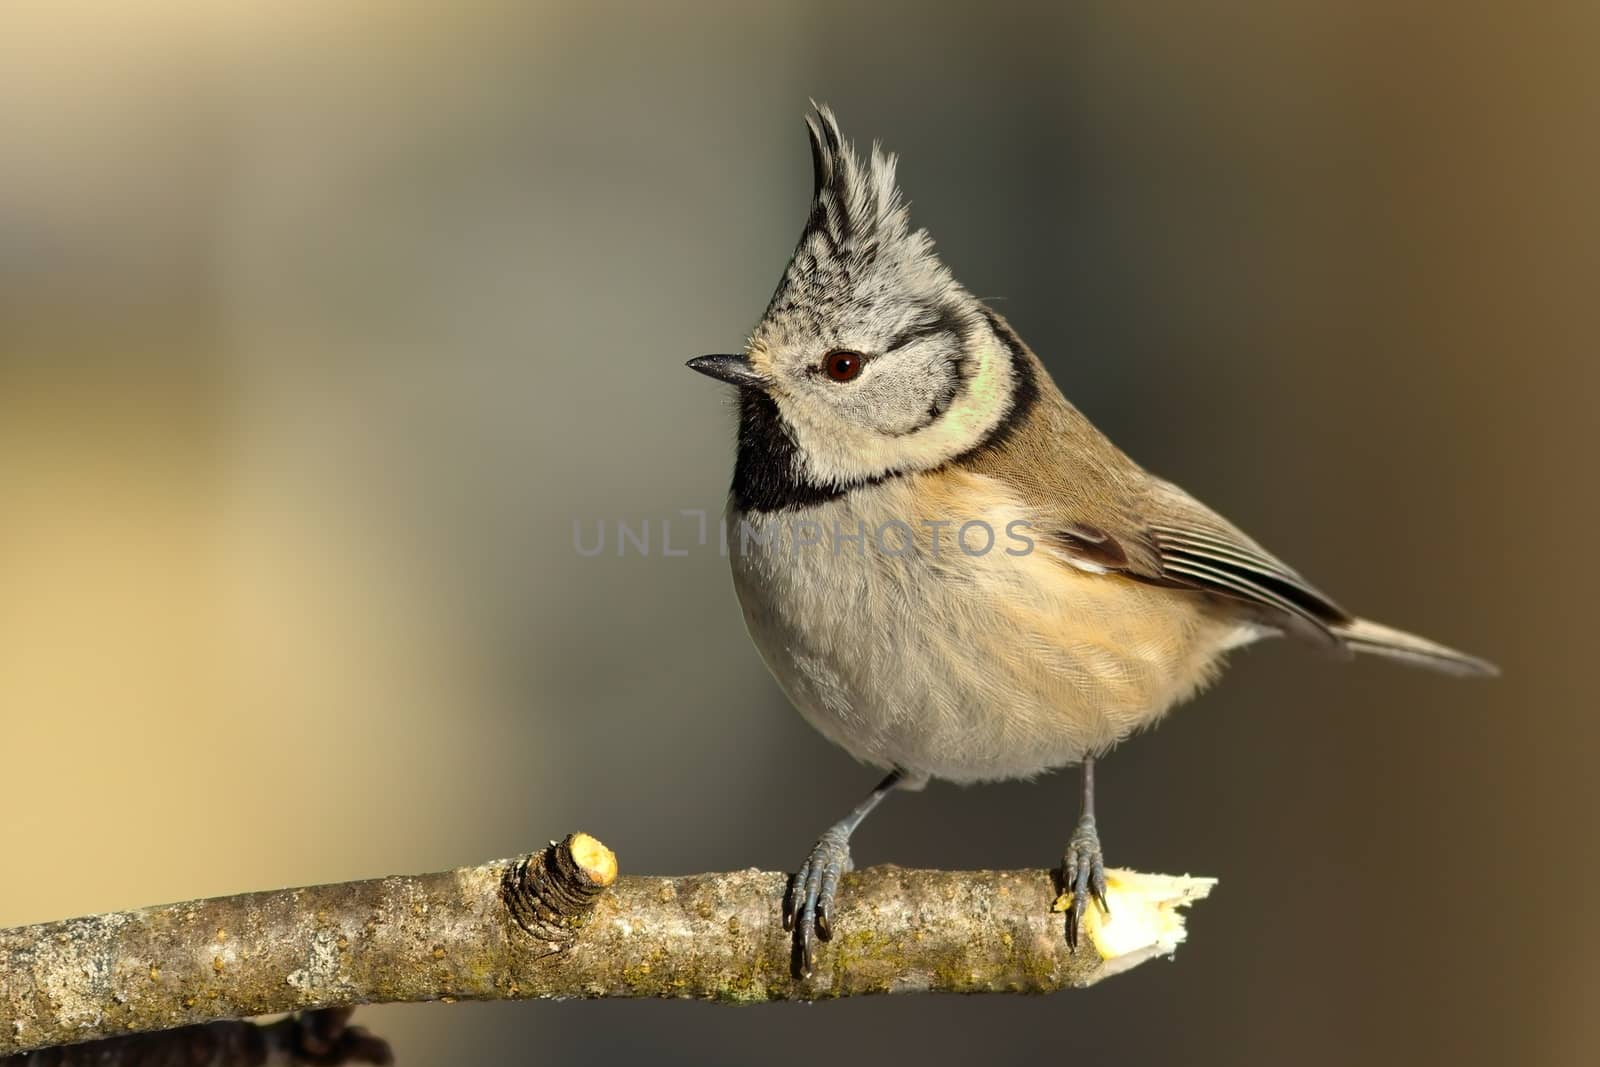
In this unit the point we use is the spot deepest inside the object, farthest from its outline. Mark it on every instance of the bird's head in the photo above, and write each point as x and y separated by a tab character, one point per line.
871	360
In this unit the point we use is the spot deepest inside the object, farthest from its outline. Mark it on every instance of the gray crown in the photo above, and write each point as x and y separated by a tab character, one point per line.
858	248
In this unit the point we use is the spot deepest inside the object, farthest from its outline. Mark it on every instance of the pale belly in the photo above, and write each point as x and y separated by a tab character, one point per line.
960	665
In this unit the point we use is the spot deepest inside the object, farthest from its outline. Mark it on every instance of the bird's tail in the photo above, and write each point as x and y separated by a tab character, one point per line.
1362	635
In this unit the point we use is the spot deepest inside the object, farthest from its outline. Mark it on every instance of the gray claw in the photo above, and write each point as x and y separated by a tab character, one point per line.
1083	874
808	903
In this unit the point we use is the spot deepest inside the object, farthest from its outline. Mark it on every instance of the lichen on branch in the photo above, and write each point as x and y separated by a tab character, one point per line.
561	923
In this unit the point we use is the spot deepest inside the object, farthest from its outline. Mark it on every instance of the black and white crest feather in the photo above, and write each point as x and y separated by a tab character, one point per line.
858	236
856	207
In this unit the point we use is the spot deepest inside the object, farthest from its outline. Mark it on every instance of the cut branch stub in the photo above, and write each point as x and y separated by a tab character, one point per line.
550	893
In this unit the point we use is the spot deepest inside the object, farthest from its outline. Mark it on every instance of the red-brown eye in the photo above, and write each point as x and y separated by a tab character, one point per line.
841	366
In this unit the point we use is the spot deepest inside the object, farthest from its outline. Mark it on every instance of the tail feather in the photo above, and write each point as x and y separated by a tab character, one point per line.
1363	635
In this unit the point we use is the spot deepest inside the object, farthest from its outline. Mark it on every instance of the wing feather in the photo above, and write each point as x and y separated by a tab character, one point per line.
1186	545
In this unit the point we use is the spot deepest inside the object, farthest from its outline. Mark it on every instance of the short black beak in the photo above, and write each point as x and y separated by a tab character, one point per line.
735	370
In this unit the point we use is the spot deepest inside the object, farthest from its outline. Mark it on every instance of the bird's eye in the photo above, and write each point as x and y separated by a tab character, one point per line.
841	366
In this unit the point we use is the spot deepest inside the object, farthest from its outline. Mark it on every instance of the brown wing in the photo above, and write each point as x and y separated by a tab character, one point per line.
1171	539
1101	510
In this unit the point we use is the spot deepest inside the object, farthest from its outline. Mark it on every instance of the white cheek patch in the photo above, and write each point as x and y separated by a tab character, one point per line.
901	392
841	451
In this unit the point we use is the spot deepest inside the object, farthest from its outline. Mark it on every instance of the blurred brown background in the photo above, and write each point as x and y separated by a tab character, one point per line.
321	322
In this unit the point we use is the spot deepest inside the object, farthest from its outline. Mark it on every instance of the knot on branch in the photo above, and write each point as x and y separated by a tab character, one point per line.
550	893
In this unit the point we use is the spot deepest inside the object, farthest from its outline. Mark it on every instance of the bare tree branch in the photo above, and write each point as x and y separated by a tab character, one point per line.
559	923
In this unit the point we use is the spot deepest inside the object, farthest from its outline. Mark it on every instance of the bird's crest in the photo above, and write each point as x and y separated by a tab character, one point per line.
856	206
859	229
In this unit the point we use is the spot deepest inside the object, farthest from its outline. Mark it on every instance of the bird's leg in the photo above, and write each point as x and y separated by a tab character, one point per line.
808	904
1083	871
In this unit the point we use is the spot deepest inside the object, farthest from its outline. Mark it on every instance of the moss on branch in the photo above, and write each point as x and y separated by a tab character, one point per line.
560	923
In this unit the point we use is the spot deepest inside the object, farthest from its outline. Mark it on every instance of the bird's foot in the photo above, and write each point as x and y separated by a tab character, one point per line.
1083	875
808	904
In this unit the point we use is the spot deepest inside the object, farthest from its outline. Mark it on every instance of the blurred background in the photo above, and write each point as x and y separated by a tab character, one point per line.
321	324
